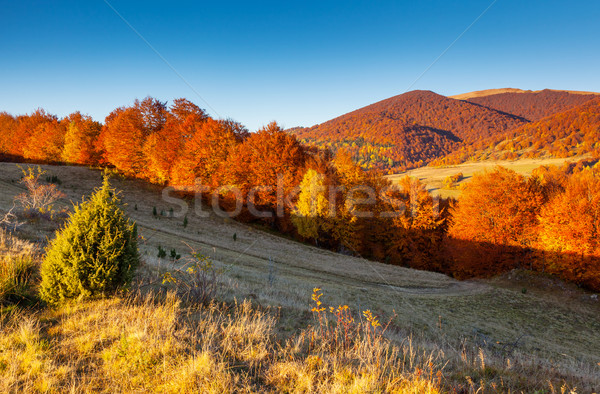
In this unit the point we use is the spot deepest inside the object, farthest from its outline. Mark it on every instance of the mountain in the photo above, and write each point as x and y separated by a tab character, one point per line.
531	105
408	130
573	132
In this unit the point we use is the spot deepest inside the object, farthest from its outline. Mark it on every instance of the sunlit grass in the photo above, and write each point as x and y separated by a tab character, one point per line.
18	267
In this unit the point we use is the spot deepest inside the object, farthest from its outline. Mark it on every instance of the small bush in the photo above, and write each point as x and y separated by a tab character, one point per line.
53	179
39	199
94	254
197	281
162	253
451	182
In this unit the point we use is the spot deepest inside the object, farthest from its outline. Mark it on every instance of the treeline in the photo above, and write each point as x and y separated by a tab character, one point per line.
181	145
549	222
328	199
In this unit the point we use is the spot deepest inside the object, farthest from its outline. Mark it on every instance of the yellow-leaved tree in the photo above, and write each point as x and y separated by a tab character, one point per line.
312	208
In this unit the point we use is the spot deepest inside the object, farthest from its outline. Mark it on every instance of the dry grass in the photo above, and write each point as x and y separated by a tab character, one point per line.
18	266
153	344
112	345
489	92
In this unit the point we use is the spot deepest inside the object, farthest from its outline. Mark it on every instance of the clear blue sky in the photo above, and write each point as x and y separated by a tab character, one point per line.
296	62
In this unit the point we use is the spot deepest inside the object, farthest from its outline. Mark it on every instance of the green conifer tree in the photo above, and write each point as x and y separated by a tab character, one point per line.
94	254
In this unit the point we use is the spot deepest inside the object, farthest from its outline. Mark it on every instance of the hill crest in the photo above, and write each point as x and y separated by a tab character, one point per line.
407	130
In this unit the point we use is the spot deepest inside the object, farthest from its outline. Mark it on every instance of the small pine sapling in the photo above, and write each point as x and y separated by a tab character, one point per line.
94	254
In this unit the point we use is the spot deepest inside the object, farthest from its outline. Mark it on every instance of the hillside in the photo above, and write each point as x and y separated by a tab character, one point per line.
408	130
546	328
573	132
533	106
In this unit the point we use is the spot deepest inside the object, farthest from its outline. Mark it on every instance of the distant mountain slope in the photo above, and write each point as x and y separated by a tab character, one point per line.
487	92
533	105
408	130
573	132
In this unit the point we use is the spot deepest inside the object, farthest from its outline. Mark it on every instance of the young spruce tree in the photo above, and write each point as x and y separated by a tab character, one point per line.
94	254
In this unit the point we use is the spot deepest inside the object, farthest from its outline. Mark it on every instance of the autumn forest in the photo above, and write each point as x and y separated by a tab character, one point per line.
333	175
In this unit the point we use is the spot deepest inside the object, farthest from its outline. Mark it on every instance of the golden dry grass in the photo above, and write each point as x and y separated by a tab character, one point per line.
489	92
154	344
17	267
548	334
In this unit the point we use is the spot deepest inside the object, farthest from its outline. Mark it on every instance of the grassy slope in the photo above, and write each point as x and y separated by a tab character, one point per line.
434	177
551	323
489	92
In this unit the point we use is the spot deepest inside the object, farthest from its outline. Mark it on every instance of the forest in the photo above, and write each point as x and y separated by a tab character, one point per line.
547	222
532	106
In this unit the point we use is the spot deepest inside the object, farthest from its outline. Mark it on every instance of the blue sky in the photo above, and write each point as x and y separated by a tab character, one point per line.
298	63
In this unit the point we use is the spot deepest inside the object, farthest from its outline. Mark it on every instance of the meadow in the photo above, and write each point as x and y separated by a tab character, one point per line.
433	177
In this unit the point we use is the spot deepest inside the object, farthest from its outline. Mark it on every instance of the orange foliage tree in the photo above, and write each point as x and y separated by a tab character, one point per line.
80	138
8	126
122	139
46	142
570	230
493	222
417	227
24	141
266	161
125	132
163	147
205	151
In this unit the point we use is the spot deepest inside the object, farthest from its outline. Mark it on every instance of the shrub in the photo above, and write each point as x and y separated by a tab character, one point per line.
162	253
174	255
53	179
197	281
94	254
38	199
451	182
